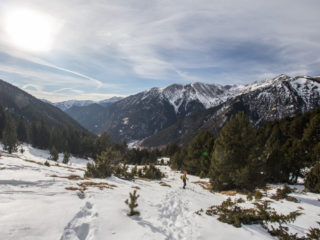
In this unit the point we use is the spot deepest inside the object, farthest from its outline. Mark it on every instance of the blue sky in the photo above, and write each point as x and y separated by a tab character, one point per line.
82	49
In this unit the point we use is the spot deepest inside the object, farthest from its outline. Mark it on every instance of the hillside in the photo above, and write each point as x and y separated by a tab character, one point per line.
20	103
30	189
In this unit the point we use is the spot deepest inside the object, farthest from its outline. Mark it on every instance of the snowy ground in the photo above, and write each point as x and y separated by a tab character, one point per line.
35	205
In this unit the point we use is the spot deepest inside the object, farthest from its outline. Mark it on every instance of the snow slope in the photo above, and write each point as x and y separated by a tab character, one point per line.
35	205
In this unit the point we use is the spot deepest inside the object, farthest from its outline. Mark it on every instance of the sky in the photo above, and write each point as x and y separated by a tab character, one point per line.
95	49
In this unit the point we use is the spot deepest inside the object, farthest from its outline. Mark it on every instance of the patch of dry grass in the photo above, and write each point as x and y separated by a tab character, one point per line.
164	184
72	188
100	185
71	177
144	179
135	187
229	193
205	185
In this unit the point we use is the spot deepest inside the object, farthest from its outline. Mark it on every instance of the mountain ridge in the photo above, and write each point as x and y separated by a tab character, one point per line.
265	101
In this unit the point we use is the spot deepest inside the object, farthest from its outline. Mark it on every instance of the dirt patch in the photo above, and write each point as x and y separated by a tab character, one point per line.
100	185
229	193
71	177
32	161
164	184
144	179
83	186
205	185
72	188
135	187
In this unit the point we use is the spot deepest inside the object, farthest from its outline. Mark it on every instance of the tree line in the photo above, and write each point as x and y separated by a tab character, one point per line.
68	139
15	130
243	157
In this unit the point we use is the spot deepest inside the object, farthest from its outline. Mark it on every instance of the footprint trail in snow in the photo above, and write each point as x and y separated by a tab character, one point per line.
79	228
175	216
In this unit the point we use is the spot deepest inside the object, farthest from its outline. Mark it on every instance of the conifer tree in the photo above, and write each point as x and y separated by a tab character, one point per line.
235	162
199	153
104	164
2	121
9	139
22	131
54	155
312	182
275	165
66	157
133	203
44	135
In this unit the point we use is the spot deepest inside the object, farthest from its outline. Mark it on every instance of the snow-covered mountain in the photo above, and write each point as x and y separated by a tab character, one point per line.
264	101
109	101
70	103
65	105
147	113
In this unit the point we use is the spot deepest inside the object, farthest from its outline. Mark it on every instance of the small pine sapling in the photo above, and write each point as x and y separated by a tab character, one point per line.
249	196
133	203
257	195
54	155
66	157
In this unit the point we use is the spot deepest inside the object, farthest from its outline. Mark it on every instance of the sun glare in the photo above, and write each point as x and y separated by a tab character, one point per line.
30	30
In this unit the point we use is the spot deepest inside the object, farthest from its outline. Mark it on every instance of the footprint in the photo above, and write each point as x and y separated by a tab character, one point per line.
79	227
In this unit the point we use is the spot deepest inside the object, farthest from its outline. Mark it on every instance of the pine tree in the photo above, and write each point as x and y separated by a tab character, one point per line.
199	154
2	121
235	162
22	131
104	164
44	135
312	182
133	203
66	157
178	159
54	155
275	165
10	140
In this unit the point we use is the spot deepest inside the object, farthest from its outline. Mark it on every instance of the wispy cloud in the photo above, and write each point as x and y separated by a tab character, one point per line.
130	44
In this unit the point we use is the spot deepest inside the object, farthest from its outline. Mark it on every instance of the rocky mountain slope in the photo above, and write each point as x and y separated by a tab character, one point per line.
66	105
144	114
176	113
269	100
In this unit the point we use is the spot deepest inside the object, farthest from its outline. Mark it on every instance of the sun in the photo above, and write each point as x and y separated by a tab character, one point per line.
30	30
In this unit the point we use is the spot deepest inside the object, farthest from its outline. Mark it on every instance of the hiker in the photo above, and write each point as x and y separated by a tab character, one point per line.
184	179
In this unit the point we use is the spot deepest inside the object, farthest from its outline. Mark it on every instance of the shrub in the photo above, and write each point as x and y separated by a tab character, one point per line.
134	170
104	165
132	203
121	171
282	193
249	196
66	157
229	212
202	175
257	195
312	182
152	172
54	155
46	163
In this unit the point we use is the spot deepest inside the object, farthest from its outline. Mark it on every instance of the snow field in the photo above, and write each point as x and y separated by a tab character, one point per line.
34	205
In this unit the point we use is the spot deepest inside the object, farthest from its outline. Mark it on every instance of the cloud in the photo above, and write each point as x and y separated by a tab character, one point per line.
215	41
